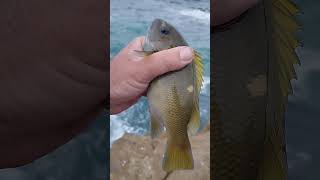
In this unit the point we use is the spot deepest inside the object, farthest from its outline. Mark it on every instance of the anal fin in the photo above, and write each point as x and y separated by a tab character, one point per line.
156	123
194	123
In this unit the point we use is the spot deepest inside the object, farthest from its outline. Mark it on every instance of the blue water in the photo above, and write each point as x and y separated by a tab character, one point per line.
130	19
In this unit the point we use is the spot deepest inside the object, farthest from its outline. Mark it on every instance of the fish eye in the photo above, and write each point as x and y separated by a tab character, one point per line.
164	31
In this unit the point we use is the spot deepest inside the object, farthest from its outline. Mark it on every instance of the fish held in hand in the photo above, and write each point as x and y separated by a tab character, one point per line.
174	98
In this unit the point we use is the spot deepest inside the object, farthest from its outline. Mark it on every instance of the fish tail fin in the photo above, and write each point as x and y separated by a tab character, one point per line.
271	166
177	156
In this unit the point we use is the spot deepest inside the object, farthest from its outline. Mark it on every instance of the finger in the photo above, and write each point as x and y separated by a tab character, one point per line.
167	60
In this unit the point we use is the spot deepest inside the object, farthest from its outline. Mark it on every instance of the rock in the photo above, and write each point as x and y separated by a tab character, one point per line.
139	158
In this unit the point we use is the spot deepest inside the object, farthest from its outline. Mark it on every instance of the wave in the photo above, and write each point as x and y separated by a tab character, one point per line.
196	13
205	90
118	127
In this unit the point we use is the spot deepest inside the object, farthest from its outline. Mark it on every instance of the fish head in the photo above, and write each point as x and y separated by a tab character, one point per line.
162	35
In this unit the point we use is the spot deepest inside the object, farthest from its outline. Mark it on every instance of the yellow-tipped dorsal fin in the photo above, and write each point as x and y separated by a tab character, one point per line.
281	26
194	123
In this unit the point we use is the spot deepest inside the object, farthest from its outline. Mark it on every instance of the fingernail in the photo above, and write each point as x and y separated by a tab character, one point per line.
186	54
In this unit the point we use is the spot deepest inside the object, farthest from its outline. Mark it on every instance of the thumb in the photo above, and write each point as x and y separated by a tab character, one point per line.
167	60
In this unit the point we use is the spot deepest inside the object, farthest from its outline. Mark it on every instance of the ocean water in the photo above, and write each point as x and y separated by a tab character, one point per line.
129	19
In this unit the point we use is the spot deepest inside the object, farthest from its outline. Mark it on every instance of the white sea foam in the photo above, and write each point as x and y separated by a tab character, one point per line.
205	90
118	127
196	13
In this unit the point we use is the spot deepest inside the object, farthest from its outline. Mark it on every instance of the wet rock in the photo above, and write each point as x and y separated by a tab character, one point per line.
140	158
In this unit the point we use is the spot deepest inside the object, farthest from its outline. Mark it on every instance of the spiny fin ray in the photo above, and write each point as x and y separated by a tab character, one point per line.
194	123
281	29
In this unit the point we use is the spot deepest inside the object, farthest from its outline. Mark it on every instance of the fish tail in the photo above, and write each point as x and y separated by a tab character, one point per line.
177	156
271	166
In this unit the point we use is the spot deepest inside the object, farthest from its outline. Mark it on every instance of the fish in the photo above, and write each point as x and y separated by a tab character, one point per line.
174	98
252	68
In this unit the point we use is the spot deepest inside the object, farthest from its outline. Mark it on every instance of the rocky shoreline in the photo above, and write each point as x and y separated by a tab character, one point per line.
139	158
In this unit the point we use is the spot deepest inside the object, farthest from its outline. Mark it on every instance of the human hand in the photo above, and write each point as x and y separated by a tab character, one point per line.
130	74
226	10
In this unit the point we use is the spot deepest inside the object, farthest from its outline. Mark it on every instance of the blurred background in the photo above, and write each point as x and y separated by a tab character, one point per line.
129	19
82	158
303	115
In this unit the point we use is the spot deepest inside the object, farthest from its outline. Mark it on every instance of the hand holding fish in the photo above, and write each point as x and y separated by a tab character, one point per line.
130	73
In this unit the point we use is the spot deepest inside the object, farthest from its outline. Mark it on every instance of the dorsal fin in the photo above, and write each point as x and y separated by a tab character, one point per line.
281	26
194	123
198	72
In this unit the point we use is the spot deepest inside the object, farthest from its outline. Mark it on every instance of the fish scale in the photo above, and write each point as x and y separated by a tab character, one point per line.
238	131
178	130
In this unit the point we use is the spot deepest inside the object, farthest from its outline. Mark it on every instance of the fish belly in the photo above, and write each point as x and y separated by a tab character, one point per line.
160	96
